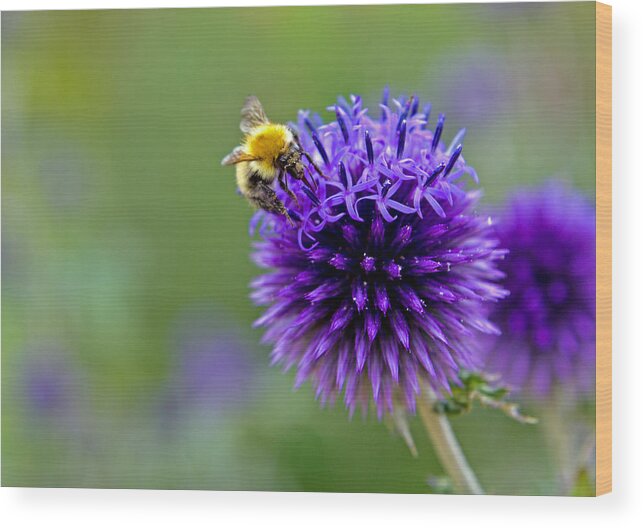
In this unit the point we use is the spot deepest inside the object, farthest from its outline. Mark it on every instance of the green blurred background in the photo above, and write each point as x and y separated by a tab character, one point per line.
128	358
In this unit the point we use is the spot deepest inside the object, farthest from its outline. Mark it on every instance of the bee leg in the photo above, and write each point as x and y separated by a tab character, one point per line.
310	159
284	185
261	195
312	162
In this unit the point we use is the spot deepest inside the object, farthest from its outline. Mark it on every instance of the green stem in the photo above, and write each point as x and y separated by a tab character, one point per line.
446	446
566	436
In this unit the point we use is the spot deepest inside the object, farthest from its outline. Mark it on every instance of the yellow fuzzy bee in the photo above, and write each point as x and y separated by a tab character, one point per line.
269	151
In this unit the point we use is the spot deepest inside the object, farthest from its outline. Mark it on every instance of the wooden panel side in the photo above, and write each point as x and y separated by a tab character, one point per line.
603	248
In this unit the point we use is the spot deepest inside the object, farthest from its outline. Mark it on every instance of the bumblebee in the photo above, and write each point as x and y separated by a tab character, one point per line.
269	151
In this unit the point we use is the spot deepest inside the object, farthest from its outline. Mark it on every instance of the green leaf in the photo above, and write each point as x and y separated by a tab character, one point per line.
477	386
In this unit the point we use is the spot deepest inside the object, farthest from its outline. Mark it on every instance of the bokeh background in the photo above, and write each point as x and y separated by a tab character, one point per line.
128	359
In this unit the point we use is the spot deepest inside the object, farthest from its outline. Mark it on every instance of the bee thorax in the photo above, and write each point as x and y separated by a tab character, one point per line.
291	163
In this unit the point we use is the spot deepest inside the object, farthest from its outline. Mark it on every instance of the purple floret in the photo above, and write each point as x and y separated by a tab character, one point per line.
548	321
384	285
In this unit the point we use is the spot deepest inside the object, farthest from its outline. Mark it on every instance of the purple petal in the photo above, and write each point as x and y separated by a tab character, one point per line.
342	316
390	355
372	323
360	295
381	298
400	327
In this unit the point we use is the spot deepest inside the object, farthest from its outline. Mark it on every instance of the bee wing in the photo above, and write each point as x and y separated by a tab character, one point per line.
252	115
237	156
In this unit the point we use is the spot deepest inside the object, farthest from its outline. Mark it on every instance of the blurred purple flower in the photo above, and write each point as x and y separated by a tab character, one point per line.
213	367
50	381
479	84
386	278
215	370
548	321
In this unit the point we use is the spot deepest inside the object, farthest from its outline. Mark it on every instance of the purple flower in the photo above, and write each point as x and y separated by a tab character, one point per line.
213	367
51	383
548	321
386	279
215	370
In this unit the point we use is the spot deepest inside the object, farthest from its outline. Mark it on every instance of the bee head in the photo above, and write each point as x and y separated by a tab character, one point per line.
290	161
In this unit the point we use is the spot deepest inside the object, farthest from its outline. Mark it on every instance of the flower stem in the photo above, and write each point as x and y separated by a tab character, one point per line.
446	446
567	438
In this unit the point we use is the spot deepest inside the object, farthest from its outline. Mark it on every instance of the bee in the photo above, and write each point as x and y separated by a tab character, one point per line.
269	151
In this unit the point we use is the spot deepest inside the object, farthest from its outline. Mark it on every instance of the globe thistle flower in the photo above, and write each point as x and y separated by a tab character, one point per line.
548	321
51	383
213	368
386	278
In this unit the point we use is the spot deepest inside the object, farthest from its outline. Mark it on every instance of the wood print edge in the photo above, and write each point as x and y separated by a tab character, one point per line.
603	249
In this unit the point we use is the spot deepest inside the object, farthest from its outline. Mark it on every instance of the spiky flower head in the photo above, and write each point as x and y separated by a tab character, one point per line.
384	282
548	321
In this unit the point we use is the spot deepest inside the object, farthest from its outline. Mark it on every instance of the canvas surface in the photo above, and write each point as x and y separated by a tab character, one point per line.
129	291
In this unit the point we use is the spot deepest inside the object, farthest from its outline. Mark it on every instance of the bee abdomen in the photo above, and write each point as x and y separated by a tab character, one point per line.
261	195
